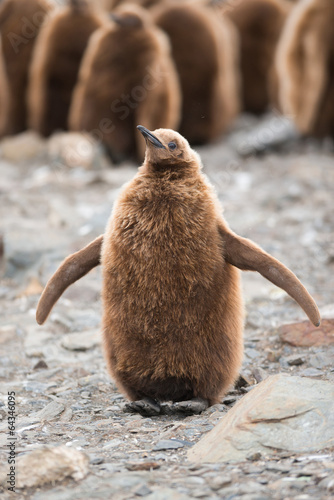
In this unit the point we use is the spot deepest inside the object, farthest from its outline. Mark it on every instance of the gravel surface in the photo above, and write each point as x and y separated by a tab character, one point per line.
63	393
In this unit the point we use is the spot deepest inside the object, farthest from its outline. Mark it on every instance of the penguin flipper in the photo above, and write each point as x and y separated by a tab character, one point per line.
247	256
72	269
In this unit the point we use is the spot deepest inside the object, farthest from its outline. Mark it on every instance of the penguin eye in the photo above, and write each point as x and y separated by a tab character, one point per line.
172	145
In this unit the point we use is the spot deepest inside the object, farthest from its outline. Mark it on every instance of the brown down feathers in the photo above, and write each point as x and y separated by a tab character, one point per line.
172	304
305	67
55	65
127	77
20	22
204	49
259	24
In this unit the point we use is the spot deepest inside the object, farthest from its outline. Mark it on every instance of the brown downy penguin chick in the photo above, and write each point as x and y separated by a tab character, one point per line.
55	65
4	95
173	313
127	76
259	23
110	5
20	22
205	53
305	67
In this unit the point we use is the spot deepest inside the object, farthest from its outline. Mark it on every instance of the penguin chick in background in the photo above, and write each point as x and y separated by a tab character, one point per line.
305	67
4	94
205	53
127	76
172	303
20	22
55	65
259	24
110	5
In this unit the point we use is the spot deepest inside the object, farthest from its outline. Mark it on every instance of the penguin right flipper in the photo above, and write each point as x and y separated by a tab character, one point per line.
72	269
247	256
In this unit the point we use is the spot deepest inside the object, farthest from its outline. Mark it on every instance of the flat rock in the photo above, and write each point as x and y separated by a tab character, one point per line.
168	444
293	414
304	334
51	411
72	149
167	494
50	465
22	146
82	341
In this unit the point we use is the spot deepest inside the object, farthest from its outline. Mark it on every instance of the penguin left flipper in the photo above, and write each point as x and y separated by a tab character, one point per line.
72	269
247	256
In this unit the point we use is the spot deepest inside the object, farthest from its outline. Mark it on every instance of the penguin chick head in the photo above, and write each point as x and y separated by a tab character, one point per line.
130	16
168	150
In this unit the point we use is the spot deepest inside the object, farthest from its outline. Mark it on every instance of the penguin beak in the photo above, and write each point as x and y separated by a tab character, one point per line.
150	137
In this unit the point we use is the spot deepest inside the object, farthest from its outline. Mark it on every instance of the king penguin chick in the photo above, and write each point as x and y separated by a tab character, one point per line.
172	304
4	94
205	53
20	22
259	24
55	65
109	5
127	75
305	67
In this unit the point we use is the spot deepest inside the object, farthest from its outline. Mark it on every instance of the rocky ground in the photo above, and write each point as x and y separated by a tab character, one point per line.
64	396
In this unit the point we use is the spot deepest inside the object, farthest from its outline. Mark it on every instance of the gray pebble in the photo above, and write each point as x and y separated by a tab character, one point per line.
168	444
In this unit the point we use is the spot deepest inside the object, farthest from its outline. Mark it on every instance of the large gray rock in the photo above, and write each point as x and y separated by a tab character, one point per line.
48	466
293	414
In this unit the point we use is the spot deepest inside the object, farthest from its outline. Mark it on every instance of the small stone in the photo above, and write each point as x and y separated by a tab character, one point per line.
295	360
85	395
34	287
142	491
259	374
72	149
96	461
218	482
168	444
327	483
82	341
320	360
228	400
7	333
311	372
202	493
49	465
273	356
167	494
51	411
41	365
22	146
304	334
112	444
143	466
252	353
254	456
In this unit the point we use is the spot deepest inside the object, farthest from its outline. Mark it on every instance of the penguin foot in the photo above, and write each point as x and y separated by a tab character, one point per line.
190	407
147	407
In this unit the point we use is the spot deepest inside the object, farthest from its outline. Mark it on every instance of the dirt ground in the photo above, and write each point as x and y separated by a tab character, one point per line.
48	208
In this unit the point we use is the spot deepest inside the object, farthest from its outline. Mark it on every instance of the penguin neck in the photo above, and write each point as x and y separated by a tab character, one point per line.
174	170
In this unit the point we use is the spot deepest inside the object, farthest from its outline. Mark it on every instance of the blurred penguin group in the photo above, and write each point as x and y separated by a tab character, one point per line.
104	66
